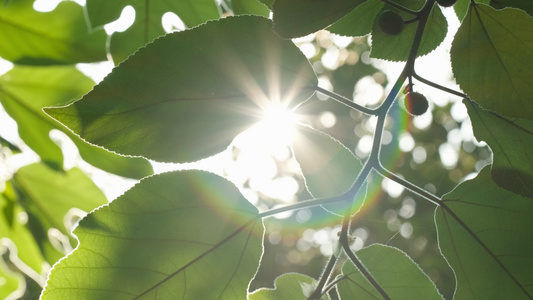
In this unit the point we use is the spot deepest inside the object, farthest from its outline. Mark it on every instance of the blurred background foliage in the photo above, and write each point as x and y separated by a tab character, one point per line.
435	151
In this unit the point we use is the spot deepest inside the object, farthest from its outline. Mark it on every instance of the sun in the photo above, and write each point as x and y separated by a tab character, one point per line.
278	124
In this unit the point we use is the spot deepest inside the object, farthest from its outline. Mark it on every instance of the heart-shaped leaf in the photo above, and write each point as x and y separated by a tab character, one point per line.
180	99
492	59
481	229
186	235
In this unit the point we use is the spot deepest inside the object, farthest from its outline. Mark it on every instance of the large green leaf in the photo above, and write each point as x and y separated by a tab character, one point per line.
47	196
295	18
294	286
57	37
492	59
328	167
511	142
397	47
358	22
484	233
398	275
24	91
179	235
148	15
180	99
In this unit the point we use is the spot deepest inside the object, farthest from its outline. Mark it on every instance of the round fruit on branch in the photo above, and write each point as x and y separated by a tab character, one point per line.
415	103
390	22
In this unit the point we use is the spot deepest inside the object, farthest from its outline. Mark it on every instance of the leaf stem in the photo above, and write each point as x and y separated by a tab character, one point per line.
408	185
346	101
438	86
301	205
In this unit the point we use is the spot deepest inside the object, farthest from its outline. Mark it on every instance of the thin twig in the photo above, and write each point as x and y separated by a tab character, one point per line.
317	293
346	101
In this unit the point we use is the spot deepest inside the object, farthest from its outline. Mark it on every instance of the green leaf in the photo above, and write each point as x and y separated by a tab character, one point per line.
358	22
461	7
328	167
511	142
24	91
294	286
11	228
186	235
481	229
525	5
179	99
295	18
397	47
492	59
47	196
147	25
398	275
250	7
57	37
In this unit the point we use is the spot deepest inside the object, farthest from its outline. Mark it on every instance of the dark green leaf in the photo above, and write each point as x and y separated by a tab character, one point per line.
250	7
328	167
179	99
185	235
511	142
147	25
57	37
359	21
47	196
492	59
294	286
24	91
398	275
397	47
481	229
295	18
526	5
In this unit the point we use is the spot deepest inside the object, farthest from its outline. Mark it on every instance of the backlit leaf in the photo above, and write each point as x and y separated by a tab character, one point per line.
185	235
328	167
397	47
24	91
57	37
510	141
492	59
179	99
481	229
295	18
147	25
398	275
47	196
